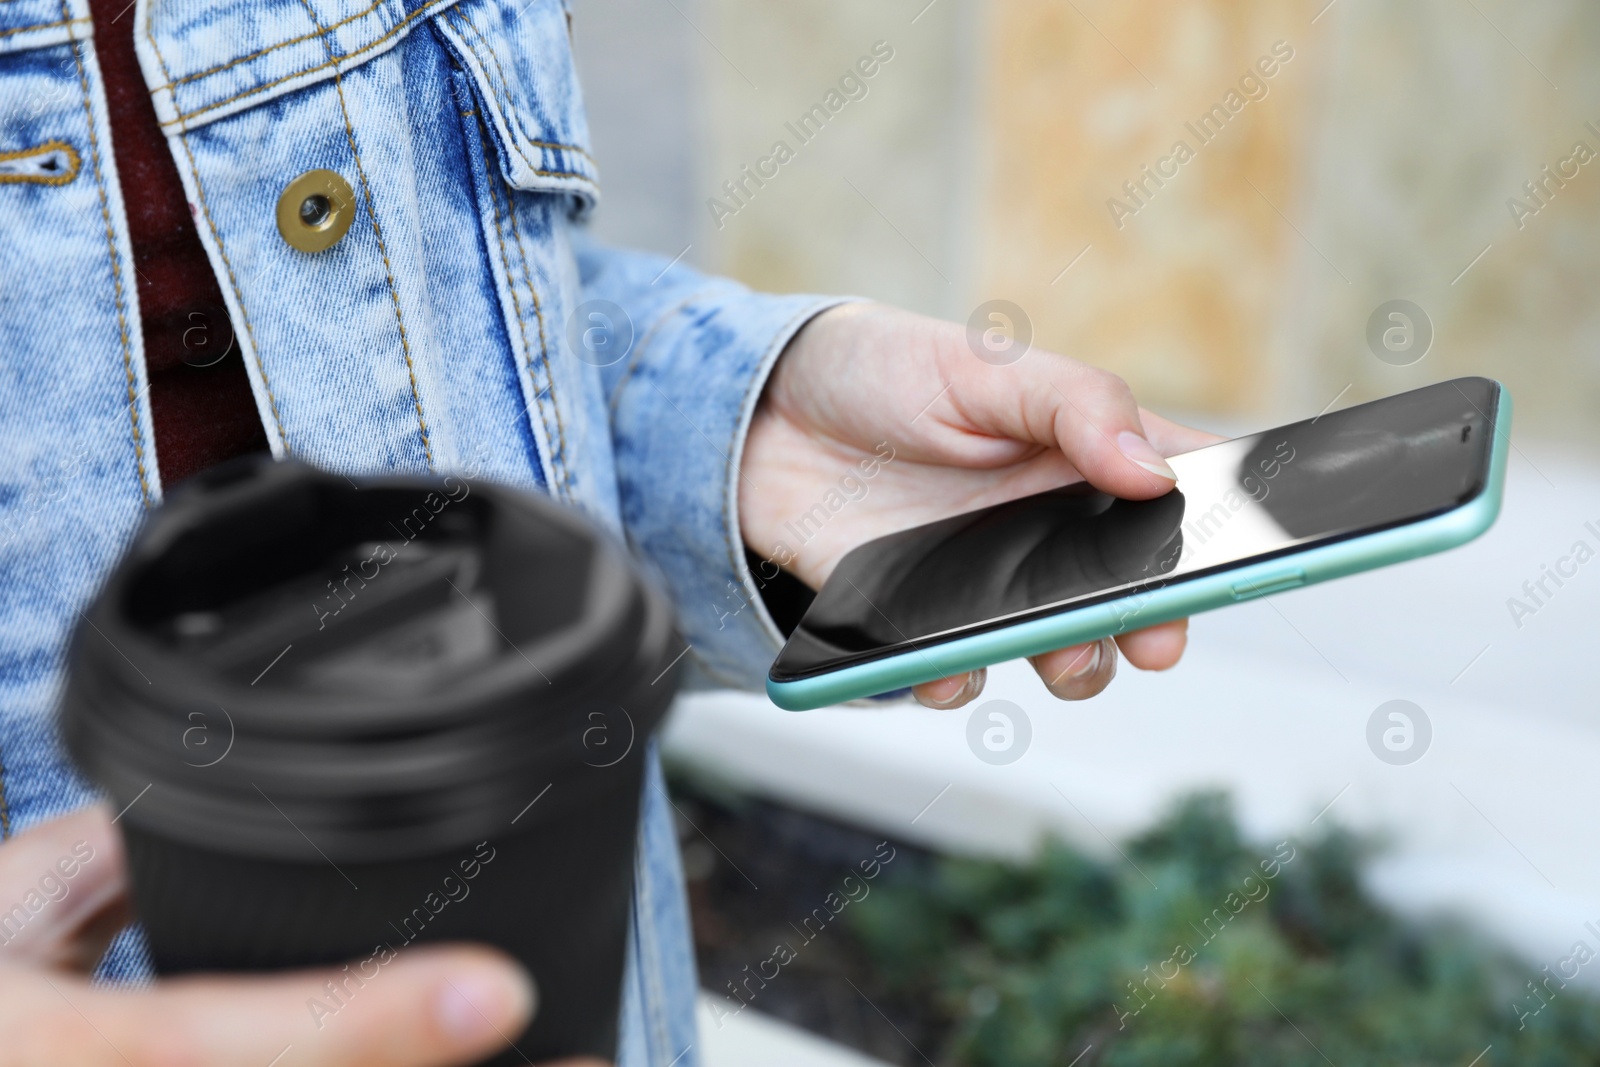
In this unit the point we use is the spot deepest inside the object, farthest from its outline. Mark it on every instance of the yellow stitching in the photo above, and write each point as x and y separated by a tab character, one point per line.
507	107
544	349
184	116
396	28
506	83
555	144
490	177
505	263
561	173
44	149
233	281
499	91
43	25
116	273
270	48
377	231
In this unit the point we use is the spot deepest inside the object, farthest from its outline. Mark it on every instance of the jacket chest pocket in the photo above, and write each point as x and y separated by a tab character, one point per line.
393	343
528	147
520	61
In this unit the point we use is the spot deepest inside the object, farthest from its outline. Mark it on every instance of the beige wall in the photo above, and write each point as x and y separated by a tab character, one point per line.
875	203
1181	296
1382	158
1434	119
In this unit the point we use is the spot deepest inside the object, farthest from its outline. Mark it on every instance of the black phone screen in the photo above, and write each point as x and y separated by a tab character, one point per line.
1342	474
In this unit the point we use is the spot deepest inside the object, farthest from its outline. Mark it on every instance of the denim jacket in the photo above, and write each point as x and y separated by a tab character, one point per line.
463	324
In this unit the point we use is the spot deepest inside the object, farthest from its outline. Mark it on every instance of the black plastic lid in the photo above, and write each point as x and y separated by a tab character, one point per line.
384	666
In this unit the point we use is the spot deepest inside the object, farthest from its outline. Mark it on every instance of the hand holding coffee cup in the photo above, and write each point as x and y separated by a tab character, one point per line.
63	885
423	708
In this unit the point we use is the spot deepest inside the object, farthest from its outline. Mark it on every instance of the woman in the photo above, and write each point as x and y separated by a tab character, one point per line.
351	231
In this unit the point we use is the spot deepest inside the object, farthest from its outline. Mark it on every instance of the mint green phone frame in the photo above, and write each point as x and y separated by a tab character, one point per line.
1181	598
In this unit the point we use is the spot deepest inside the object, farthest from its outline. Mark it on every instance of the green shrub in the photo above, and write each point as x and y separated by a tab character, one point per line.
1198	948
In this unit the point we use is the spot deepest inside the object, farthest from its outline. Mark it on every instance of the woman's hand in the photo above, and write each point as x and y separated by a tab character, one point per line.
430	1007
862	379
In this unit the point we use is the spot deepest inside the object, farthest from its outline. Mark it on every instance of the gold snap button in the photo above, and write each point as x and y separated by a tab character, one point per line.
315	210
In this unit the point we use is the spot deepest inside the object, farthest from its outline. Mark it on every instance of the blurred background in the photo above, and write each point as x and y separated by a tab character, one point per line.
1214	200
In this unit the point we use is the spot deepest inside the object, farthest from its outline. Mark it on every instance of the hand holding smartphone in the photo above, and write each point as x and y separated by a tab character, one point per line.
1347	491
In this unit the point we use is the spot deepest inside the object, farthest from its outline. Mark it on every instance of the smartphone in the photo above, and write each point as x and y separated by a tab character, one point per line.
1347	491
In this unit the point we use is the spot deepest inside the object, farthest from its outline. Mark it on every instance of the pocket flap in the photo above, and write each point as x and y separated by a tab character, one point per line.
30	24
520	59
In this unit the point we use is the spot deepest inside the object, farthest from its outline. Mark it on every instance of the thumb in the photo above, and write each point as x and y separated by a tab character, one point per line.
55	878
1048	400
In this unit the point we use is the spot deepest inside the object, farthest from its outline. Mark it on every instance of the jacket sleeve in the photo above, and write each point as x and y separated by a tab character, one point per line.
680	404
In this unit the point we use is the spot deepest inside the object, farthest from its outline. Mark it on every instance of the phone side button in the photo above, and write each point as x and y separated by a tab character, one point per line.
1272	583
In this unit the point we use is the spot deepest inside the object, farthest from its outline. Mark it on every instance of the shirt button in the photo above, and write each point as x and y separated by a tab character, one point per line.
315	210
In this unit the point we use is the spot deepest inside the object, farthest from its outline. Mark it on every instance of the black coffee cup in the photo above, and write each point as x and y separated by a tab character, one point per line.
346	717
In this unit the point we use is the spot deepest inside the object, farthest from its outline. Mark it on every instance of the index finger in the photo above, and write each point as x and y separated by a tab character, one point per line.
428	1007
1172	438
1088	414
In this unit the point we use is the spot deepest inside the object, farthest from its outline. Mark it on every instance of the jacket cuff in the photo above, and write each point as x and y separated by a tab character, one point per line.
681	404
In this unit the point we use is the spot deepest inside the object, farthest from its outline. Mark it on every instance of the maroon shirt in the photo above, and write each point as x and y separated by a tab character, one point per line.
200	398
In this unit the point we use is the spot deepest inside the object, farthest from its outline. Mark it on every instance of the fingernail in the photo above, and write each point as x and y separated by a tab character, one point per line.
969	689
485	1003
1082	666
1142	452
